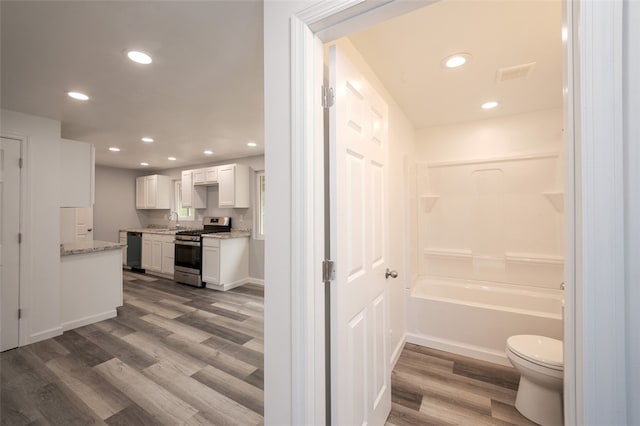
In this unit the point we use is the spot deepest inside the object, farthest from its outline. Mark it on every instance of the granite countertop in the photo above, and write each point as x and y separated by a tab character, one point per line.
227	235
80	247
163	231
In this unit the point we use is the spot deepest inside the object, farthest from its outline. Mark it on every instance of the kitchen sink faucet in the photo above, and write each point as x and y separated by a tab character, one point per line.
177	218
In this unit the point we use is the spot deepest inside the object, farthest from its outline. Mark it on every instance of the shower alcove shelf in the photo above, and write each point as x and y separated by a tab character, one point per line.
428	201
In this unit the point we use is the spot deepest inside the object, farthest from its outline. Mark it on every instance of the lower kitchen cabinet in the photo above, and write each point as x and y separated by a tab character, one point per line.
168	254
158	253
225	262
123	240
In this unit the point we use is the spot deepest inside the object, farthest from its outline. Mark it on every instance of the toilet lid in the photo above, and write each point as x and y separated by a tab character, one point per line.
537	349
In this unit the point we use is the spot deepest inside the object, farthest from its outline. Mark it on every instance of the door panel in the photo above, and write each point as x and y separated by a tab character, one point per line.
9	246
360	377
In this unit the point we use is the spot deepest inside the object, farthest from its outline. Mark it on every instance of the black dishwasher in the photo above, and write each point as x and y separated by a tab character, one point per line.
134	250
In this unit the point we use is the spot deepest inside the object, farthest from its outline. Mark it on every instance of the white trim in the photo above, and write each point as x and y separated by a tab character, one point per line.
24	337
478	352
307	226
44	335
66	326
257	211
228	286
599	166
257	281
395	355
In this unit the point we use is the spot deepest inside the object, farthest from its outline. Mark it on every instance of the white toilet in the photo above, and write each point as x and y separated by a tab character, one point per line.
538	359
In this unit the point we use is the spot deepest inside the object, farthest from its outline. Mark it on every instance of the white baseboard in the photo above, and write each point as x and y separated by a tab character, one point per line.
70	325
257	281
397	351
44	335
229	286
477	352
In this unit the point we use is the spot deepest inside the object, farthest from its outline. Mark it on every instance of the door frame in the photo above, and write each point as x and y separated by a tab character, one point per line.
594	75
23	323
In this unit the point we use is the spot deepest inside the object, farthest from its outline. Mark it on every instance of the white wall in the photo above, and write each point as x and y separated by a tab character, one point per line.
115	203
632	196
40	291
490	199
401	145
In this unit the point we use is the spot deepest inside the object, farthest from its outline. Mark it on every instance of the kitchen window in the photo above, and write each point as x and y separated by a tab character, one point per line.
184	213
259	211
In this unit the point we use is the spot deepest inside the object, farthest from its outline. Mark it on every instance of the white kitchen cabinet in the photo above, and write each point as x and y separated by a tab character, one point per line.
211	263
123	240
147	250
206	176
77	174
211	175
168	254
233	186
153	192
157	253
225	262
192	196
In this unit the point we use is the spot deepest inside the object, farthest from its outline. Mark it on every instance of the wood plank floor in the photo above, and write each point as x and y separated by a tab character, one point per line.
431	387
173	355
183	355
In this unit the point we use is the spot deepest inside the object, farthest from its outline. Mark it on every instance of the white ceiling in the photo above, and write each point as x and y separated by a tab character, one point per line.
407	52
205	87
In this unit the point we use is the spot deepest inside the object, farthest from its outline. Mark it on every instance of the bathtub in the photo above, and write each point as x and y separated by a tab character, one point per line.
475	318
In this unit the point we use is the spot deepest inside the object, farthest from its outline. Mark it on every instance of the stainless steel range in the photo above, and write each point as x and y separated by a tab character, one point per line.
188	250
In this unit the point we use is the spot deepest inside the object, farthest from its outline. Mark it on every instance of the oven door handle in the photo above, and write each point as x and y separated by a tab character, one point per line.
187	243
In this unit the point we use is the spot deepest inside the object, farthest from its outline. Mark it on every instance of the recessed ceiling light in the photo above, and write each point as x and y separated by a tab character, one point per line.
114	149
139	57
144	164
79	96
171	158
489	105
147	139
252	144
456	60
208	152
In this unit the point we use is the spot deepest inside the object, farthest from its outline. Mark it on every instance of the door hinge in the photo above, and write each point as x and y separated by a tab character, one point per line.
327	97
328	270
19	313
20	163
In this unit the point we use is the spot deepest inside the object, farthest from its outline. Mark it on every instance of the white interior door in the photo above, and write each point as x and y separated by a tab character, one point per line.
84	224
9	245
360	376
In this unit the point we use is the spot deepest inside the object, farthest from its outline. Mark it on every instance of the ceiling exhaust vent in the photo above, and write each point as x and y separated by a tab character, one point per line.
515	72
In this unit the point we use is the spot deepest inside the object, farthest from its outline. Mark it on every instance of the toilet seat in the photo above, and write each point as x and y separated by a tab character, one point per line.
539	350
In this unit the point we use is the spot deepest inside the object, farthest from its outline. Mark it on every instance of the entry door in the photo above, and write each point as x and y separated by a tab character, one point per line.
360	374
9	246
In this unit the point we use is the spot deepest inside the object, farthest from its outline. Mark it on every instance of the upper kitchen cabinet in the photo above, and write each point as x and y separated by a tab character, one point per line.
206	176
193	196
153	192
233	186
77	174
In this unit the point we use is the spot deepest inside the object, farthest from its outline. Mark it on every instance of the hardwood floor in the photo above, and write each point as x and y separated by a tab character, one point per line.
431	387
173	355
182	355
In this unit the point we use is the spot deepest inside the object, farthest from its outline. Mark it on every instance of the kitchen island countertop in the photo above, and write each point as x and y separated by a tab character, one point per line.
226	235
91	246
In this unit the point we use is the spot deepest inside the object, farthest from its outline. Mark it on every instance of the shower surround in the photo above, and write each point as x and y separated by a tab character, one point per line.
489	222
